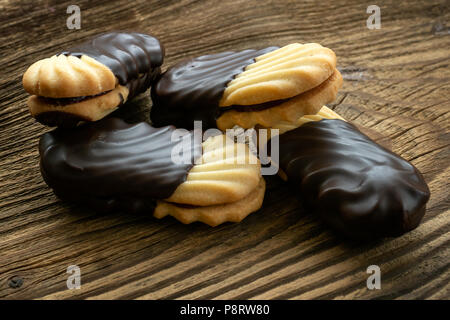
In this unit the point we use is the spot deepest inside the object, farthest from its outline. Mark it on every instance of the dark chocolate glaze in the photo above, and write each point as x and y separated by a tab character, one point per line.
134	58
191	90
60	119
358	187
110	164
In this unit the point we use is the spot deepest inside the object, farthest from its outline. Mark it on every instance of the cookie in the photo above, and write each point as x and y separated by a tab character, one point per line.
111	165
250	87
225	185
280	74
54	113
307	103
359	188
226	172
114	164
215	214
89	81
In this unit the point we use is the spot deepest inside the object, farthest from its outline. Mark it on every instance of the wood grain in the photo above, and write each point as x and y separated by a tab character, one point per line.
396	89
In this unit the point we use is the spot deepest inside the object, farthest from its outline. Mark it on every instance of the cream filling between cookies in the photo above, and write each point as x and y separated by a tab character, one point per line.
308	102
71	100
270	104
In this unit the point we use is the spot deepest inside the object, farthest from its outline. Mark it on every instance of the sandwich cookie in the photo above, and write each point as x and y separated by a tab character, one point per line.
89	81
247	88
111	165
359	188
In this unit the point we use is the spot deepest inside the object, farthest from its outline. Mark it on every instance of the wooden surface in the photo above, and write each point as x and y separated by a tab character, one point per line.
396	88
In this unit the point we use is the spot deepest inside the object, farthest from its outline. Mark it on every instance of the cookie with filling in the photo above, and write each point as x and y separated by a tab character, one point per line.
111	165
359	188
246	88
91	80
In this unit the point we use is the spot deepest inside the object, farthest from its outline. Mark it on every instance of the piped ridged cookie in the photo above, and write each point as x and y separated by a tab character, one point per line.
225	185
359	188
226	172
281	74
114	164
246	88
111	165
215	214
64	76
89	81
307	103
66	115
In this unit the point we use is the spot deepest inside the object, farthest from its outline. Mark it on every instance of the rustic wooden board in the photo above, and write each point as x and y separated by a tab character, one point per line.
396	88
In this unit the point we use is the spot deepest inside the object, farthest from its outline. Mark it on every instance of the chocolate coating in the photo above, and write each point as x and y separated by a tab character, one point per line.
110	164
358	187
191	90
61	119
134	58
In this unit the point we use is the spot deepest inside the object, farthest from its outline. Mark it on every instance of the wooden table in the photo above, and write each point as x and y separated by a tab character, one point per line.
396	88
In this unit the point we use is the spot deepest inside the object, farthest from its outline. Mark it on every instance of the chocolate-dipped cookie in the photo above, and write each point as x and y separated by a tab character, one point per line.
91	80
246	88
358	187
112	165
